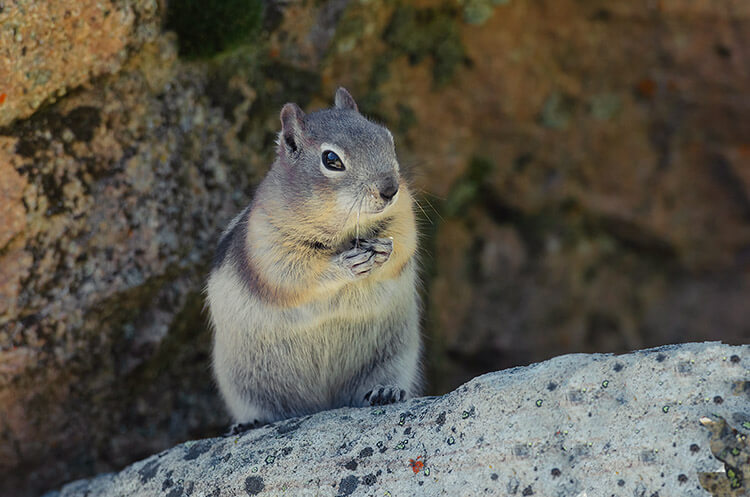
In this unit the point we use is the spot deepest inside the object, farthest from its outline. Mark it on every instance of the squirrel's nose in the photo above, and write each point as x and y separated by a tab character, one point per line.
389	191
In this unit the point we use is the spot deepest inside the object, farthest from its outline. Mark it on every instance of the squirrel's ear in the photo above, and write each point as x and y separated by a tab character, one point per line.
344	100
291	127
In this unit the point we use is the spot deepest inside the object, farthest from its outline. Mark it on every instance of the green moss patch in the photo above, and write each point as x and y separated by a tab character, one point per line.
207	28
467	189
479	11
274	83
428	32
557	111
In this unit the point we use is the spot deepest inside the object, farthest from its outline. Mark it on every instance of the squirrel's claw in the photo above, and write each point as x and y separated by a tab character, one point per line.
384	395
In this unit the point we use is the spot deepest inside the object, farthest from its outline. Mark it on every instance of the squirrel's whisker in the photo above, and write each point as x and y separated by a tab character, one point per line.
349	212
431	206
423	211
425	192
359	212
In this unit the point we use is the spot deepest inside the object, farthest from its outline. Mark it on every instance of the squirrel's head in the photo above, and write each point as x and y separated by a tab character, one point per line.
342	167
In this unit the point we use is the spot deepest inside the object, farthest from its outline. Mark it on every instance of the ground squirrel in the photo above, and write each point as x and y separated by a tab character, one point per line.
312	295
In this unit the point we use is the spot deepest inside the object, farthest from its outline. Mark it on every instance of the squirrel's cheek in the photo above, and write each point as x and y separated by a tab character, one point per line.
345	205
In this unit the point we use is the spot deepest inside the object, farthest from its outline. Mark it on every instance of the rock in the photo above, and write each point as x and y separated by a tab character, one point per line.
112	200
47	48
11	193
574	425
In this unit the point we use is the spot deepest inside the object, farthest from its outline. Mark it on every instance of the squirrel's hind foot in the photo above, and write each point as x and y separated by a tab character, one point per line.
384	395
240	428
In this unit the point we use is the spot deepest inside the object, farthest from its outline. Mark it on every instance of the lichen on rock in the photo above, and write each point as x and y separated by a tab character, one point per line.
573	425
121	189
51	47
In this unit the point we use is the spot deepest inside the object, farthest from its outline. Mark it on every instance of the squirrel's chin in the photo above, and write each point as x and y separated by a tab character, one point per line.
374	216
371	225
379	212
374	213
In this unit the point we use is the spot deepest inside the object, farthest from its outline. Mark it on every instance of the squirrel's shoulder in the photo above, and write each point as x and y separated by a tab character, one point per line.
232	241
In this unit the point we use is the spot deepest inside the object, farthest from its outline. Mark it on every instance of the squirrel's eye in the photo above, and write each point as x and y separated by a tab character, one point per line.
332	161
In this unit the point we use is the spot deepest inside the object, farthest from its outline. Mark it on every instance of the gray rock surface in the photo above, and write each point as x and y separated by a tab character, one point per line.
576	425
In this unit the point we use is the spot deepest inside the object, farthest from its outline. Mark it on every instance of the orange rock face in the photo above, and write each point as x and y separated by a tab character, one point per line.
47	48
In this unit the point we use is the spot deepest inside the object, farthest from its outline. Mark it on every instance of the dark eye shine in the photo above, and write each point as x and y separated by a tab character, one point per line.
332	161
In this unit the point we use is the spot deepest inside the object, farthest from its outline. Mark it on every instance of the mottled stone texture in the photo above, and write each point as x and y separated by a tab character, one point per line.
583	169
571	426
48	47
123	192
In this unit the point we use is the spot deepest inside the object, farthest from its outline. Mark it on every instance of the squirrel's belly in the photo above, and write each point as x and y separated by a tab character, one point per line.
296	361
323	360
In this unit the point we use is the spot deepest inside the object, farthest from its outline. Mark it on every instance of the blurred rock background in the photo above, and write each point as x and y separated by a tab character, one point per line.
582	166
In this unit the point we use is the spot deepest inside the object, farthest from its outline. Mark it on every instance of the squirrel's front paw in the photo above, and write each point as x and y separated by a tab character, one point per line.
383	395
370	254
381	246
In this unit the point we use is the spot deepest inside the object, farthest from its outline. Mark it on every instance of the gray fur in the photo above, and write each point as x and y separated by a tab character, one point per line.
312	295
344	100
